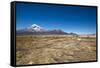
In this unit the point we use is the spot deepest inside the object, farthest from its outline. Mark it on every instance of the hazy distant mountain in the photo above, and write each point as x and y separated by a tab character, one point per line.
88	35
37	30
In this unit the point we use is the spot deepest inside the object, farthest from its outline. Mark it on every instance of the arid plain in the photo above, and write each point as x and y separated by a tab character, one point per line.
44	49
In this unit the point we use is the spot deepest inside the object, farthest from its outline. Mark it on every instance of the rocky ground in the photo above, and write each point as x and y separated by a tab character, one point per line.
44	50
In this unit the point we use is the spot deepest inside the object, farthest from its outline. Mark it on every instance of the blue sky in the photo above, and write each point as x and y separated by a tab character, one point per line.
81	20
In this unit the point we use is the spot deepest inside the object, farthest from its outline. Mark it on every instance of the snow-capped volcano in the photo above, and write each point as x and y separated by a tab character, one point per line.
35	27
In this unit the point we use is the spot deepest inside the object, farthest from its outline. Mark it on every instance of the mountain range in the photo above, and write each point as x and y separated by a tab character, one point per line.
35	29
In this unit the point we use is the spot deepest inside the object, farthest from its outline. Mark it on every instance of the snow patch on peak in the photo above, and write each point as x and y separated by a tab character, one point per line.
35	27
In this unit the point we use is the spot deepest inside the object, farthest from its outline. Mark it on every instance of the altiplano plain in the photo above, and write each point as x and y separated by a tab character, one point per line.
54	49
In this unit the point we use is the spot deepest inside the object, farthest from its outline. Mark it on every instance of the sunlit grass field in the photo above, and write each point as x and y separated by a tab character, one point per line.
54	49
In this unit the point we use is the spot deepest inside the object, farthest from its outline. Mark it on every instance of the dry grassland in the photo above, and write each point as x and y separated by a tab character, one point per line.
53	49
